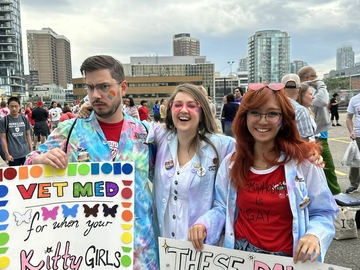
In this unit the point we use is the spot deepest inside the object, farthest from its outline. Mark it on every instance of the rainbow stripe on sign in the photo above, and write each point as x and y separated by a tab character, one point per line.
52	195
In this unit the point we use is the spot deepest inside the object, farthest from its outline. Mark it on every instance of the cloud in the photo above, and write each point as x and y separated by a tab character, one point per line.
141	27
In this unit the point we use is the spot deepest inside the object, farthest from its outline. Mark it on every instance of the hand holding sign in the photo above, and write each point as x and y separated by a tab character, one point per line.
196	235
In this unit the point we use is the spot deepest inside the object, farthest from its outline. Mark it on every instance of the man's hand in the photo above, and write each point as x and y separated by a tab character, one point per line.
9	157
85	110
307	245
56	158
196	235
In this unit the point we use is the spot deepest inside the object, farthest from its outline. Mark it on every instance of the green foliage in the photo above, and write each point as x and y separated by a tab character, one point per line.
337	83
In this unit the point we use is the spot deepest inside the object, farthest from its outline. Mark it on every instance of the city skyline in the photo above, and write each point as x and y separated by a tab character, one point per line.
316	28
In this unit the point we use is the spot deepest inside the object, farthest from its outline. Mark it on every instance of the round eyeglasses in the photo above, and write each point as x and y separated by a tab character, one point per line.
270	117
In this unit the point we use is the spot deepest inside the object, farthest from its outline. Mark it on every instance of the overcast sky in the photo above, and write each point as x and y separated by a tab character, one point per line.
124	28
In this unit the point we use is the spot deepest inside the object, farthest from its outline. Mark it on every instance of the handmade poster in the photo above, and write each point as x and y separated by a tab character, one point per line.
180	255
80	217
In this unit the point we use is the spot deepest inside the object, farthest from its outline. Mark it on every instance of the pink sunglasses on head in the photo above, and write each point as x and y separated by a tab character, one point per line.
260	86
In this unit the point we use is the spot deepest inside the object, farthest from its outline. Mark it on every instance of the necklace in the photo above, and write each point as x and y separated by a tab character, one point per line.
261	167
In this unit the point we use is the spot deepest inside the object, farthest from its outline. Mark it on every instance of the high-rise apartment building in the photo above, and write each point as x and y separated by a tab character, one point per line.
268	56
296	65
12	80
49	54
184	45
345	57
243	63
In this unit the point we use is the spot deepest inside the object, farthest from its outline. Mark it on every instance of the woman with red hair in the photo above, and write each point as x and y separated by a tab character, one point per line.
270	195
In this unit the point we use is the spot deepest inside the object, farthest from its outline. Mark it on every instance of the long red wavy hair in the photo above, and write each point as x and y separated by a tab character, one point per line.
287	140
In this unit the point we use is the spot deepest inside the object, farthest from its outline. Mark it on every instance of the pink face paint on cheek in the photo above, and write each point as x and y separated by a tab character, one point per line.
279	123
175	110
111	94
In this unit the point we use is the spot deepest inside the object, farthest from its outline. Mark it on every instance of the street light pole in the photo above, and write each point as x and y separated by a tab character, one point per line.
230	63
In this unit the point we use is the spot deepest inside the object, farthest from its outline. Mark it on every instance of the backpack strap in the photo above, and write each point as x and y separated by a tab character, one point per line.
6	124
68	137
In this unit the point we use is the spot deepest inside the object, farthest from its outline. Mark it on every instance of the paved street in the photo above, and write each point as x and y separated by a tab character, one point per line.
343	252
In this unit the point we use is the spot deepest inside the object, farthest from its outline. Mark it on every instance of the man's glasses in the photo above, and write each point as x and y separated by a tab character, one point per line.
101	87
260	86
270	117
179	105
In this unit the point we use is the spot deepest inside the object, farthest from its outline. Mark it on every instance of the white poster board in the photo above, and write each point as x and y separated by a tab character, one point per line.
180	255
76	218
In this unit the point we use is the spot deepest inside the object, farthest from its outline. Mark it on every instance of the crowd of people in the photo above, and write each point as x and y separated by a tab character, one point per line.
208	182
23	128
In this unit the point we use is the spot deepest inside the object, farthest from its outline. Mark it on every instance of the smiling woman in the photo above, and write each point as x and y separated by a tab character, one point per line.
189	151
270	181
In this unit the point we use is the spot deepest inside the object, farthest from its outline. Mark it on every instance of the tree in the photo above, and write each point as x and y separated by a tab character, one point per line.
337	83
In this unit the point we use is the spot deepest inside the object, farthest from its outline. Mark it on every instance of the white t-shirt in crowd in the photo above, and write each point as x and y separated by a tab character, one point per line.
55	113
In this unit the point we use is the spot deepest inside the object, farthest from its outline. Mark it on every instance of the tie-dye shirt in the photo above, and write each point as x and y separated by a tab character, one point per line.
88	143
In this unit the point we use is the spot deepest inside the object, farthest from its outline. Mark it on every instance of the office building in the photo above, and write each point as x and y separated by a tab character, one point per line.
268	56
48	93
345	57
155	77
12	80
49	54
296	65
184	45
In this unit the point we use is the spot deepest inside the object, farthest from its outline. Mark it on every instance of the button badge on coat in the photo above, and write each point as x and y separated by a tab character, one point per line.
304	203
201	171
169	164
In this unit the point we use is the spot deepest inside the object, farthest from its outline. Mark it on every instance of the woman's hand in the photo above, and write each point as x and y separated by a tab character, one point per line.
307	245
196	235
85	110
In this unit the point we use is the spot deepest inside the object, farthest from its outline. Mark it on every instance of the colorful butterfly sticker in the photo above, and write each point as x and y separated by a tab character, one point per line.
110	211
69	211
19	218
91	211
46	213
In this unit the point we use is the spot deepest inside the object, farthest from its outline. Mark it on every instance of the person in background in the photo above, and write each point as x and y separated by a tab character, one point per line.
156	110
354	130
28	115
144	111
272	174
308	76
4	110
189	151
41	128
221	118
55	113
15	134
108	135
211	104
228	113
67	114
238	94
334	110
305	98
162	110
302	115
130	108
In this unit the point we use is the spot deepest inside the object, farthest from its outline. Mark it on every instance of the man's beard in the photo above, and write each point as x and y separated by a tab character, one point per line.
113	109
